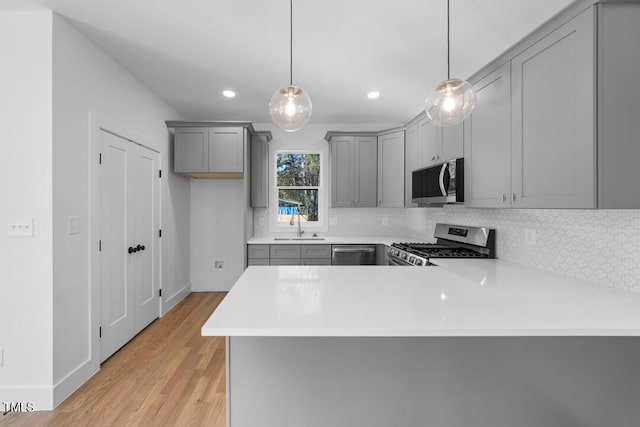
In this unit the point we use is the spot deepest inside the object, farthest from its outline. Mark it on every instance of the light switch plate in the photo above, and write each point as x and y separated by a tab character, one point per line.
73	223
20	227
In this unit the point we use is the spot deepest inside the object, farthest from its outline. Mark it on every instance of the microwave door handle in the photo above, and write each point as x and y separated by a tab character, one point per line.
441	180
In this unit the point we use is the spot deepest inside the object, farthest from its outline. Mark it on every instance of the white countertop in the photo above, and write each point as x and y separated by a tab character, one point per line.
456	298
333	240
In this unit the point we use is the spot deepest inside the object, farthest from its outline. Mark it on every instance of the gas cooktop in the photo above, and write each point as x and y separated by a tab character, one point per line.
453	241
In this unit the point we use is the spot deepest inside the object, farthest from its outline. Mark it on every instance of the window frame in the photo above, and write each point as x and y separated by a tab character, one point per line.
316	226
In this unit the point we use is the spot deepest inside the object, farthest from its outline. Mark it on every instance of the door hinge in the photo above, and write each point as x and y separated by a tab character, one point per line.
159	292
99	245
159	173
159	233
100	159
100	332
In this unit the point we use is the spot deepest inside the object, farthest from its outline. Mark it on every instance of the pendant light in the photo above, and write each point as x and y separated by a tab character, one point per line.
290	107
453	100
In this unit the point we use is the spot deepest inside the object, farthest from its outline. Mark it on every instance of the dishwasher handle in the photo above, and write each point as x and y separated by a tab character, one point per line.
368	250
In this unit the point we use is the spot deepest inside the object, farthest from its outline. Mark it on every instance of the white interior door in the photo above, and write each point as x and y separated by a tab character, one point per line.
129	206
146	208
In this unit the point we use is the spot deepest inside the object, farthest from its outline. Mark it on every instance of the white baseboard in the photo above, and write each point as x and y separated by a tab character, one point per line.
40	398
72	381
174	299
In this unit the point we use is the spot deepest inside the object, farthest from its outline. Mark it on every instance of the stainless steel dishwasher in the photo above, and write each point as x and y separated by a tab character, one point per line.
353	254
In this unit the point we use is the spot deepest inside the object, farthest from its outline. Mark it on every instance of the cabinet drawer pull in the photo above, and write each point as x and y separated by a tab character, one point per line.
504	198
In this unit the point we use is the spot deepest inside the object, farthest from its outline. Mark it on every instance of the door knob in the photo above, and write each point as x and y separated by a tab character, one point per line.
132	250
142	248
139	248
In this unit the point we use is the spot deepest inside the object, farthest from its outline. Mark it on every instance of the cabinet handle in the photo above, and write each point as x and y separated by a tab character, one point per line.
513	197
504	198
437	156
433	158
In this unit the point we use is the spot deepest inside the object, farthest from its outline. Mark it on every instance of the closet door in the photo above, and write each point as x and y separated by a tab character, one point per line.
129	206
146	186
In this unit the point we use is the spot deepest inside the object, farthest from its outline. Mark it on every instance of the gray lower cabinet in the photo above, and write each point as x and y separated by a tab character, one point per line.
288	254
209	150
354	171
391	170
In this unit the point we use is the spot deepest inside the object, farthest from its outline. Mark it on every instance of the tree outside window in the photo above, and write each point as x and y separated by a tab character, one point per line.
297	186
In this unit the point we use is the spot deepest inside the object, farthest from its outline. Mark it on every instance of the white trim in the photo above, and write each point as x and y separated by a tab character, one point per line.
322	225
97	123
174	299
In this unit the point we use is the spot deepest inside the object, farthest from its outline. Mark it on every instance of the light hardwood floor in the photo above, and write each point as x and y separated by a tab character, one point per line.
168	375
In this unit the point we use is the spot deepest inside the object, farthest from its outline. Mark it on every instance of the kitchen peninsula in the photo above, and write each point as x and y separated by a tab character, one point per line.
468	342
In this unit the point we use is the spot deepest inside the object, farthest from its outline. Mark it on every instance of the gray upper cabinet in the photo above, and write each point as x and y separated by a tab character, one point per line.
487	143
342	172
391	174
553	104
191	152
438	144
429	143
353	171
410	161
452	142
259	172
618	106
199	151
226	149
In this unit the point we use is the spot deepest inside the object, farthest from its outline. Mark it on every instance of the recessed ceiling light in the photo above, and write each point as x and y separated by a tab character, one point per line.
229	93
373	94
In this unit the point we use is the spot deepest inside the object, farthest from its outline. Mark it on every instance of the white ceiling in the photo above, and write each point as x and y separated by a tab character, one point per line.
188	51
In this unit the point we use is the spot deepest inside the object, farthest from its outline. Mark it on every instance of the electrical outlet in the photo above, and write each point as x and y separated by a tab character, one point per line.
530	236
333	221
261	222
1	357
385	221
218	265
430	224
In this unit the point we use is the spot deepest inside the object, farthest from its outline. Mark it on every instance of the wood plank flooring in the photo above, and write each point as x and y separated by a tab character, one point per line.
168	375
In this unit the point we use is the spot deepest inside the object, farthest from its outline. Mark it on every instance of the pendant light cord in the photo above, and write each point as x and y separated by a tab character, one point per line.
448	45
291	42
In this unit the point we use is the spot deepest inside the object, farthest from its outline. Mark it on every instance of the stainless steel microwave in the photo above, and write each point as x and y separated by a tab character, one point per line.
437	185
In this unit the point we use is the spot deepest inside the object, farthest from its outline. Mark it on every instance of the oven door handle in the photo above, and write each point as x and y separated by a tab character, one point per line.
441	179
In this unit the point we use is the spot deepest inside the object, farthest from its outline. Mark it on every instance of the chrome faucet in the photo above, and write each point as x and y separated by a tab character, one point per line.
299	233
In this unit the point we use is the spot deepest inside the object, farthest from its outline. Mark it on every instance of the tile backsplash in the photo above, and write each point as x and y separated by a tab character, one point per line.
601	246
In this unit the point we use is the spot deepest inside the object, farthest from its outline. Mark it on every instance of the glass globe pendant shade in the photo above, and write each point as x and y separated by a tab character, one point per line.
452	101
290	108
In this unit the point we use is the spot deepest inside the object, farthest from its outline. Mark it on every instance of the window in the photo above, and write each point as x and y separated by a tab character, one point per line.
298	188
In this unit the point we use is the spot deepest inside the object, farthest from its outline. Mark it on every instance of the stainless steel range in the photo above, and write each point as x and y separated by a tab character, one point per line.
453	241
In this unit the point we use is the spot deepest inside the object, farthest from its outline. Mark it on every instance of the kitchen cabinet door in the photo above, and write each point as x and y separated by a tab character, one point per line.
342	172
429	143
487	143
226	149
391	170
410	161
553	101
259	172
365	191
452	142
191	150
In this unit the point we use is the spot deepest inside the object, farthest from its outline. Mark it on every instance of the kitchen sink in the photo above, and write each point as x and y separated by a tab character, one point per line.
298	238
